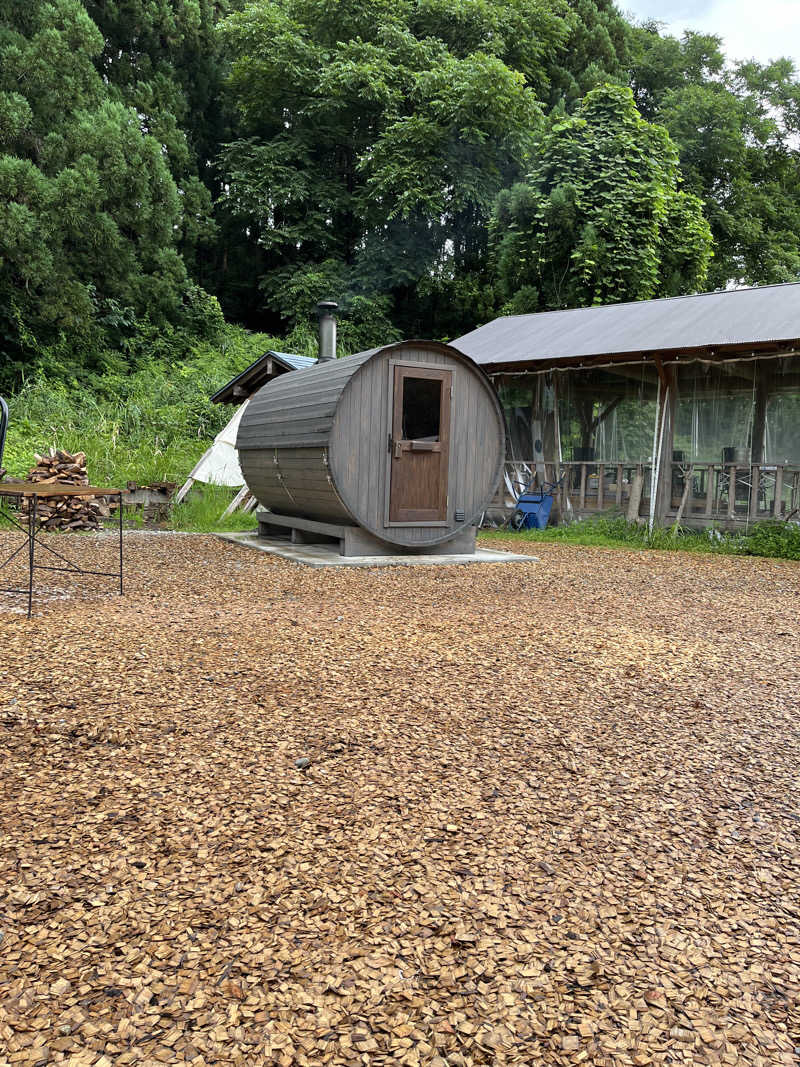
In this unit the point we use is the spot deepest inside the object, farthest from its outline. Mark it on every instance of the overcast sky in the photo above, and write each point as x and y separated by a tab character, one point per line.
763	30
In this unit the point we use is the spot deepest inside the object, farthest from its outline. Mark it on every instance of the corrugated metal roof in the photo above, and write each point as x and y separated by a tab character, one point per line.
767	314
298	362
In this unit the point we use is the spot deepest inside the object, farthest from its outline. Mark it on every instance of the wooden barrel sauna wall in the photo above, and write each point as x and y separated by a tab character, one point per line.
406	441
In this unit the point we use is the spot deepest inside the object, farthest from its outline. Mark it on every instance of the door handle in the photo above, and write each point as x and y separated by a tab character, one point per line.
398	449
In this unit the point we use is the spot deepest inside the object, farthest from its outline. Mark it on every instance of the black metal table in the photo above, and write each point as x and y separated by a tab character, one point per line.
33	492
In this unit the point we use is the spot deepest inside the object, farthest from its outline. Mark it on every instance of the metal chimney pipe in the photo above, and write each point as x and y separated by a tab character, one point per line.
327	330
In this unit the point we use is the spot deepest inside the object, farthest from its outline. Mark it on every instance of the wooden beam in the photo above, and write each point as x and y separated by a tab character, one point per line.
711	475
687	485
237	501
777	507
184	489
755	486
605	413
761	400
664	487
732	491
662	373
635	499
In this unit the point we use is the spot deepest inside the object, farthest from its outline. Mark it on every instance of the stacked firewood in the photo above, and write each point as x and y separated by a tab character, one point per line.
66	512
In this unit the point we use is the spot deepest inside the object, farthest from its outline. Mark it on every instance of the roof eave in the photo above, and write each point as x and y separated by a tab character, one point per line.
711	352
251	379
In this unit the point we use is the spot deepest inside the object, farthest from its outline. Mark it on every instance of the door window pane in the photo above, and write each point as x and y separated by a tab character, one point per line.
422	405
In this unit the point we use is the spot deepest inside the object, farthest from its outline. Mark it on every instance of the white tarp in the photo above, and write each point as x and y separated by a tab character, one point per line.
220	464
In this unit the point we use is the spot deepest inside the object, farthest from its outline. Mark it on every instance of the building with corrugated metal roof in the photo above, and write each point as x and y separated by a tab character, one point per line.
262	370
682	410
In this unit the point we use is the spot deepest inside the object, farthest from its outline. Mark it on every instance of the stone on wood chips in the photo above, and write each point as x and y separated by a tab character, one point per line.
549	814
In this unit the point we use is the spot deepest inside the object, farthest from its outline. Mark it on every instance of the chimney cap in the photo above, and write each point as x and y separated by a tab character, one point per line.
326	306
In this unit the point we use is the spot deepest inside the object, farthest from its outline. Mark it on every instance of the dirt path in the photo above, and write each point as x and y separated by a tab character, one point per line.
551	814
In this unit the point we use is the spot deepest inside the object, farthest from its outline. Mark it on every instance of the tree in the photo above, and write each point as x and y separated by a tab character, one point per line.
735	127
165	61
595	52
89	211
375	136
601	217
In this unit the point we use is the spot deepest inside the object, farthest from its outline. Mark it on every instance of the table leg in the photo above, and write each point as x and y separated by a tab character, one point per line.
31	549
120	544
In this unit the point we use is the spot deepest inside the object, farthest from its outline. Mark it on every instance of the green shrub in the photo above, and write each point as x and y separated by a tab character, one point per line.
778	539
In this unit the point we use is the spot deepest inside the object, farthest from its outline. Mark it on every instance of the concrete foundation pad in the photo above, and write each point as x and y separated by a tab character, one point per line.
328	555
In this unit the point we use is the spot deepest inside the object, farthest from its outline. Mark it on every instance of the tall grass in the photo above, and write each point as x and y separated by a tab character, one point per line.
147	426
202	509
150	425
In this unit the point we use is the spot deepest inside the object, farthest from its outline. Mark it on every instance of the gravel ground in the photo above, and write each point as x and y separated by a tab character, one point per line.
549	816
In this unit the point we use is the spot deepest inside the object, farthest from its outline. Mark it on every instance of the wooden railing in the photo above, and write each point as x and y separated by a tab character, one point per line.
587	487
726	494
736	492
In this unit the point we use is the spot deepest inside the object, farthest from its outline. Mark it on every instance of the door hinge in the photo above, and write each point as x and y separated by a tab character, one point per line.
389	446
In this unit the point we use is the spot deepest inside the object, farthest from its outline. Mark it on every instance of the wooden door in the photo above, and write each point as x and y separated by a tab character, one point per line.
420	445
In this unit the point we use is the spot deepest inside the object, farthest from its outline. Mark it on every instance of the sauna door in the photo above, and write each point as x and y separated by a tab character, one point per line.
419	445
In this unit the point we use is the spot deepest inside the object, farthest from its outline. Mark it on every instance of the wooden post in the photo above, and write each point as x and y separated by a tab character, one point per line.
656	453
601	485
663	489
547	399
237	502
619	485
635	499
710	476
184	489
687	485
777	506
732	491
582	498
755	485
761	399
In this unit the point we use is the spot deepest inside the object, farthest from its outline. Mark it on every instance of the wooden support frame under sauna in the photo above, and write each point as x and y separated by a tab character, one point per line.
397	449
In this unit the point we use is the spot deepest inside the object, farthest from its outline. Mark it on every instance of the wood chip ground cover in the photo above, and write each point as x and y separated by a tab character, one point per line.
550	814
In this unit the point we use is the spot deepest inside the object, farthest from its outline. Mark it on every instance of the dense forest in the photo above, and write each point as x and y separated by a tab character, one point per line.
168	167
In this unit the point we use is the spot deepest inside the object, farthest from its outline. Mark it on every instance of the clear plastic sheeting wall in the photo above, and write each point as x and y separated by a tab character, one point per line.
527	401
608	415
599	415
745	411
742	411
782	443
715	442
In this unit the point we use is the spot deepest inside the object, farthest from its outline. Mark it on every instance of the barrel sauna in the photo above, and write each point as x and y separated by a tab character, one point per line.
397	449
